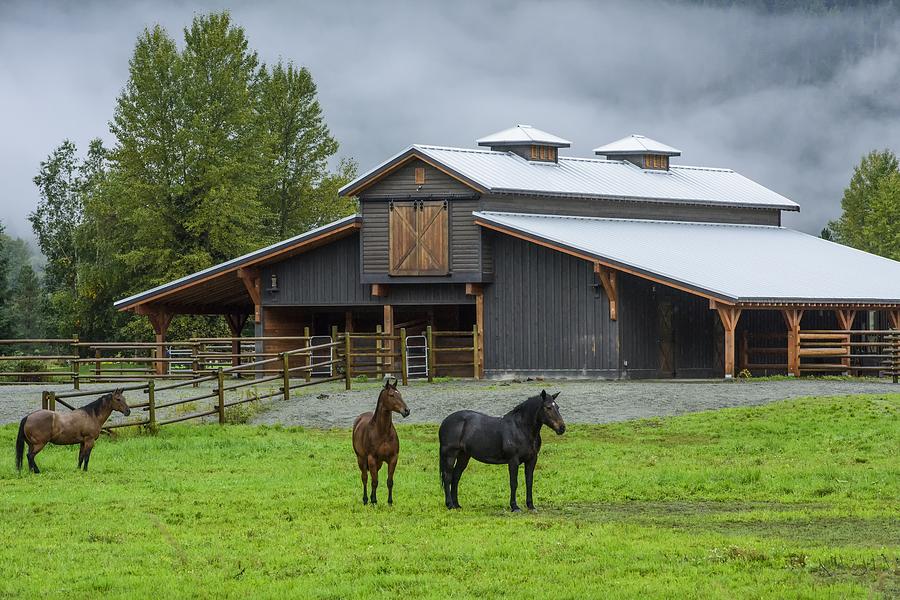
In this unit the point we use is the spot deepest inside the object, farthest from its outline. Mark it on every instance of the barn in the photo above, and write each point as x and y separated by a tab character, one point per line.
625	264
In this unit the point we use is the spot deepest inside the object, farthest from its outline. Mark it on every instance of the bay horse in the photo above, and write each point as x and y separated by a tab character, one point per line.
512	439
81	426
375	439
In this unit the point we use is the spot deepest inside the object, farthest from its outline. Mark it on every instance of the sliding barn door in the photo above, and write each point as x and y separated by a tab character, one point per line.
419	238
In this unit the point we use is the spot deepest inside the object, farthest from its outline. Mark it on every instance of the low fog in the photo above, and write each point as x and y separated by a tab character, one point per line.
791	100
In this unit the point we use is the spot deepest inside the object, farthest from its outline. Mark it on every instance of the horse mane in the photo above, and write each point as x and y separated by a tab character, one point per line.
378	402
527	407
94	407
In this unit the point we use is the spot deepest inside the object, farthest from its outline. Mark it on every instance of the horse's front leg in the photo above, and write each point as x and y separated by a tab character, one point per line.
529	480
374	465
513	484
364	475
88	447
80	454
392	464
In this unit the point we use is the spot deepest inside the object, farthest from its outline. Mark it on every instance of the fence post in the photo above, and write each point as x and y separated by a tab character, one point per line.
221	393
404	371
308	355
51	401
429	340
45	402
475	351
97	362
76	383
286	375
347	361
195	361
378	348
334	333
151	404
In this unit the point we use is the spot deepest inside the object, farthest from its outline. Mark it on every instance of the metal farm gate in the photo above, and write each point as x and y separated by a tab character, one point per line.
416	356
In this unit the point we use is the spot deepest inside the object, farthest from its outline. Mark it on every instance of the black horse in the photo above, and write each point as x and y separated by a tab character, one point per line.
512	439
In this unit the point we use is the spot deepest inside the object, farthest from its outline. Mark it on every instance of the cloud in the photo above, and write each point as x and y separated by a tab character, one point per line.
790	100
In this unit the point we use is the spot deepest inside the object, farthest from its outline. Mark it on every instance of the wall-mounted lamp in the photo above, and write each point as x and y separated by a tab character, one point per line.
274	281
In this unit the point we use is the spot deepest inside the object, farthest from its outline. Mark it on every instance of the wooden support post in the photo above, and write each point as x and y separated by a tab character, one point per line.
334	333
151	405
894	316
220	392
348	363
97	363
250	277
286	375
195	361
429	341
51	401
45	401
76	366
476	373
348	321
792	317
307	356
236	322
744	352
729	316
608	280
845	319
389	332
475	289
404	373
160	319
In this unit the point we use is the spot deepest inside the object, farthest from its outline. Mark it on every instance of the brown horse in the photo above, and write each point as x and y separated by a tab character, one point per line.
375	439
81	426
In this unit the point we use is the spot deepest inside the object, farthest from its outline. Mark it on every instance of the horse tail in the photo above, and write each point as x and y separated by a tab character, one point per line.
20	444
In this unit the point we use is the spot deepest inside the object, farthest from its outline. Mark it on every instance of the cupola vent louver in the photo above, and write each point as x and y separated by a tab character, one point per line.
639	150
528	142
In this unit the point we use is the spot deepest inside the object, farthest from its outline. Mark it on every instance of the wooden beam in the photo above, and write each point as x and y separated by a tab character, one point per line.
250	277
608	280
729	315
160	320
380	290
894	316
475	289
845	317
792	317
348	321
236	322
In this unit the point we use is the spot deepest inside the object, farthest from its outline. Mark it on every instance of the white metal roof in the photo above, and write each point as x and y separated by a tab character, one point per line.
506	172
636	144
740	263
522	134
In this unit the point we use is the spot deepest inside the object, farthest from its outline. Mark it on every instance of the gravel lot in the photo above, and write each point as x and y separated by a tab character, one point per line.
580	401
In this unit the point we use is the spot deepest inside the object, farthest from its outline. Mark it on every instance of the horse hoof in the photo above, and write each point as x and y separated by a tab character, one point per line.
516	509
532	509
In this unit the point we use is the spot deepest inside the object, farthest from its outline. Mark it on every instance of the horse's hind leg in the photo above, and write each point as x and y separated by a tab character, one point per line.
392	464
364	475
33	449
80	455
462	461
448	459
88	447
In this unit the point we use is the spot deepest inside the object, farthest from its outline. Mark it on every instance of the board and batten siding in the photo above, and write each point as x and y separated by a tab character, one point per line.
630	209
330	276
544	315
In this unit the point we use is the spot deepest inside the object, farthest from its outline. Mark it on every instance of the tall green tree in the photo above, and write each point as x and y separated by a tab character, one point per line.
882	229
4	294
25	305
854	228
300	145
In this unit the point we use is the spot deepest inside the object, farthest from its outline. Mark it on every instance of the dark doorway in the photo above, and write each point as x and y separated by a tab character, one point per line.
666	330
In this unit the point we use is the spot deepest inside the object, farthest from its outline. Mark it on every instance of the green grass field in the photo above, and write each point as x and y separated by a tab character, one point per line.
795	499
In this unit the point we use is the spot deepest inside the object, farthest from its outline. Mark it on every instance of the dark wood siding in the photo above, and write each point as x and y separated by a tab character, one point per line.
631	209
402	182
329	276
544	315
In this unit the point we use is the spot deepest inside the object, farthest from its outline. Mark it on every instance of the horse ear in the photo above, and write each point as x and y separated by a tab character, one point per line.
543	394
555	395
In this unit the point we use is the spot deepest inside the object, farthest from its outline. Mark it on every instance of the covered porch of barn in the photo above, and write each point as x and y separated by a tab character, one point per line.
778	300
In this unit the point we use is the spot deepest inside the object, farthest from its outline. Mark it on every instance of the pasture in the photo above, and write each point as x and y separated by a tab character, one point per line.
793	499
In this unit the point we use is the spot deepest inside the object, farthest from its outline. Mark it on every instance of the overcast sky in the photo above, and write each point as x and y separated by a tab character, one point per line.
791	101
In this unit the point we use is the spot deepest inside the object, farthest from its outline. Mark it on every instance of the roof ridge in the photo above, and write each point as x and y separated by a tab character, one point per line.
629	220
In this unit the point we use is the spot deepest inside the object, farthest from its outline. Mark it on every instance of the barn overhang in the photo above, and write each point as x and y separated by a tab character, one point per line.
229	288
744	266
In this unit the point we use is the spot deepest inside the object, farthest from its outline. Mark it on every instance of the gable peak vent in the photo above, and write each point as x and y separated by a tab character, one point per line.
528	142
640	150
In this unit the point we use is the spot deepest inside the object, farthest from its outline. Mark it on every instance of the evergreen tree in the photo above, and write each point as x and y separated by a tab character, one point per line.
4	301
25	305
853	227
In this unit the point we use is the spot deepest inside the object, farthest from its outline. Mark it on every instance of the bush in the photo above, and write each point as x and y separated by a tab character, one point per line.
25	366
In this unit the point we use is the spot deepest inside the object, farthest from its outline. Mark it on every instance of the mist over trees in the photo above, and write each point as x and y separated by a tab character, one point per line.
215	154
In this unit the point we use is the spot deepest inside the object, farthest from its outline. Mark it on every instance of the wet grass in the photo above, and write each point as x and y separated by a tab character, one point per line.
793	499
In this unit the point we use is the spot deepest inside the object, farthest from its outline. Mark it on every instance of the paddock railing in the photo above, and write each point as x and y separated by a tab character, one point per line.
447	353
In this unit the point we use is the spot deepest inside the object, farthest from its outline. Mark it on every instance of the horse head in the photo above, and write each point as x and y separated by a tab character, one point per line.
549	413
117	398
391	399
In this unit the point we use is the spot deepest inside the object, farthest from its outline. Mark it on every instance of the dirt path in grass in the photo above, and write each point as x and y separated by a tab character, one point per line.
329	405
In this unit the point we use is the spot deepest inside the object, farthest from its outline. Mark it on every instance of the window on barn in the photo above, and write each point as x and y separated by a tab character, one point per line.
418	238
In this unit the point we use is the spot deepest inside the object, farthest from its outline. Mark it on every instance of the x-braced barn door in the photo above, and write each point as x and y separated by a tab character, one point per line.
666	338
419	238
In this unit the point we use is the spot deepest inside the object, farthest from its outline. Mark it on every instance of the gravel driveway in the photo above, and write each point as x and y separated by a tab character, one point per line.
580	401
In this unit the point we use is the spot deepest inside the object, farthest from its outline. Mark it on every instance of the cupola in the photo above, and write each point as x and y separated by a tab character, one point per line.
639	150
528	142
